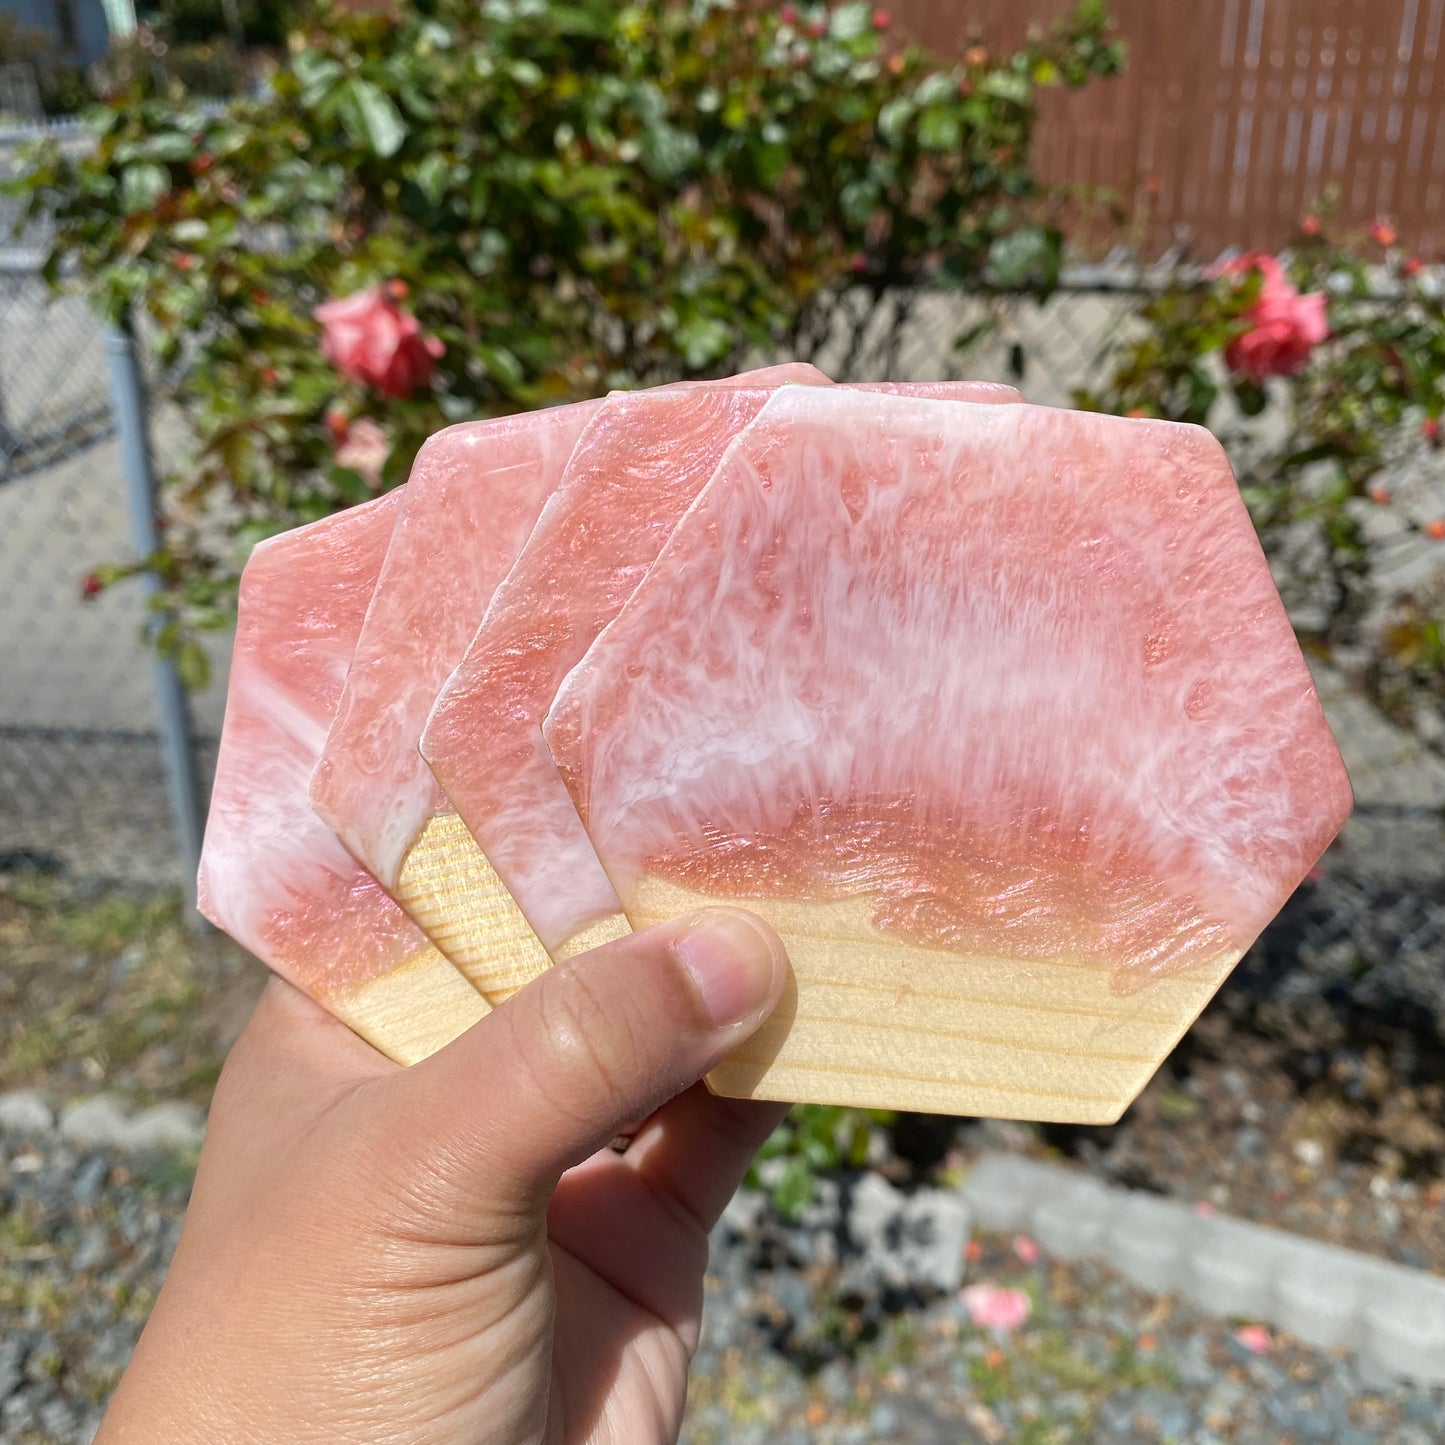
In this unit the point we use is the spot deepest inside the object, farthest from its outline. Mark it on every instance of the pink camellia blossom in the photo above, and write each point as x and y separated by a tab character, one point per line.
995	1307
370	339
1284	325
364	449
1255	1338
1382	232
1026	1250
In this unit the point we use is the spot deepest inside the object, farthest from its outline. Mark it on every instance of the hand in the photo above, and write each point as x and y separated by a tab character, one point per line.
451	1252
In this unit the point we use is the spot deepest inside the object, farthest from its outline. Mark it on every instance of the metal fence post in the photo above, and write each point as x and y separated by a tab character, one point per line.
128	398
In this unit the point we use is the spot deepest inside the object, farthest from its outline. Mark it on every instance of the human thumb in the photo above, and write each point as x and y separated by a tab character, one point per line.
555	1072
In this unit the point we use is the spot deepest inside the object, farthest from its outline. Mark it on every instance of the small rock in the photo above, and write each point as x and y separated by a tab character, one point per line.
57	1419
792	1296
126	962
12	1366
1249	1142
167	1126
26	1112
909	1242
89	1181
740	1218
94	1250
96	1121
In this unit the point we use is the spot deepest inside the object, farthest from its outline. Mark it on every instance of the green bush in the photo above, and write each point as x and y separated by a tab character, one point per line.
1319	421
570	197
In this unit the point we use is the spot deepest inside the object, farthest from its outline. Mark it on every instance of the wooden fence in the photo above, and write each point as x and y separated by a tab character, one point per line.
1236	116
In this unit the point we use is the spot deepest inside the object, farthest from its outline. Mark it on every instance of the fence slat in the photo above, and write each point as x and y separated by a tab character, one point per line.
1244	113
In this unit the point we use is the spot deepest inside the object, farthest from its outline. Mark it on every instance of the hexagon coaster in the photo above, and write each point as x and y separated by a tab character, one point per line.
993	712
273	875
637	468
472	499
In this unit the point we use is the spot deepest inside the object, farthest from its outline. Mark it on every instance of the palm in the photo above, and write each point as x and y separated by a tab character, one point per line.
628	1236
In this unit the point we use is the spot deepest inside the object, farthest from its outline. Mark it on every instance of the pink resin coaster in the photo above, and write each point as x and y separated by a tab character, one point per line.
471	502
273	875
638	466
993	712
472	499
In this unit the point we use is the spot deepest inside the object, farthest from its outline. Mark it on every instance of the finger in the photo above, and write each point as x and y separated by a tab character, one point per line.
696	1149
549	1078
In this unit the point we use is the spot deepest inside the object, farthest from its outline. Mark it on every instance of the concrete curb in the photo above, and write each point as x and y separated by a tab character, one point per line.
1326	1296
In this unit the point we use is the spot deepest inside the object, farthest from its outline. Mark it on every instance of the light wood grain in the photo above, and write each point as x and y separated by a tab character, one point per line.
876	1021
450	888
604	930
412	1011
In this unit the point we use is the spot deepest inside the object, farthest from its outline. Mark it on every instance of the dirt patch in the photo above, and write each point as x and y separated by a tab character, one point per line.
111	988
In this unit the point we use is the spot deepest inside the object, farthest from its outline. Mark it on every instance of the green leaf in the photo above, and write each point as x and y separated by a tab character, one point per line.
939	129
317	74
193	665
975	334
667	152
936	88
859	200
502	364
893	120
794	1190
384	127
1031	255
189	232
490	248
850	21
431	176
141	186
703	340
1005	85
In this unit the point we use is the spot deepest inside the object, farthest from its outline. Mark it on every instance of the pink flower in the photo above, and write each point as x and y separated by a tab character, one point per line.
1026	1249
993	1307
1382	232
1411	267
370	339
1310	225
1205	1208
91	586
365	449
882	19
1255	1338
788	14
1285	326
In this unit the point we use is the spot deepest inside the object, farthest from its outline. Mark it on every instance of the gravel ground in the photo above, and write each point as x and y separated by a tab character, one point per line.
85	1239
806	1338
1310	1096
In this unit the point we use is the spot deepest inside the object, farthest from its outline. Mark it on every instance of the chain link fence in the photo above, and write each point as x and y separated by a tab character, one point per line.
82	780
82	789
